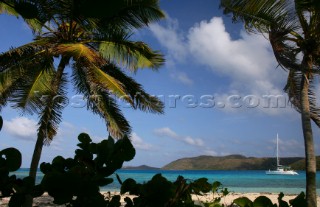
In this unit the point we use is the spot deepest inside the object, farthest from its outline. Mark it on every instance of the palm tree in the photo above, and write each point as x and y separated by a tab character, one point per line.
293	29
26	9
96	46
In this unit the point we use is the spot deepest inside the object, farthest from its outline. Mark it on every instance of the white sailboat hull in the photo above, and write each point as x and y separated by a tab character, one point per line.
281	172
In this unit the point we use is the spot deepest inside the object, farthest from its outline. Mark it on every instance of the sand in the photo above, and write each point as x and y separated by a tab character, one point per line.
232	196
46	201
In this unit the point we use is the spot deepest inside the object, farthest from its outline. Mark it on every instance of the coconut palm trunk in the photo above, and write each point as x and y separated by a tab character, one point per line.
44	124
311	191
293	28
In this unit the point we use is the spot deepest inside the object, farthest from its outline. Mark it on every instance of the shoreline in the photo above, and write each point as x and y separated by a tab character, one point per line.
46	200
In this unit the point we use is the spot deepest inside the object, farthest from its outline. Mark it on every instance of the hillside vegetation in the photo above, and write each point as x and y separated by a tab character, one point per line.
141	167
234	162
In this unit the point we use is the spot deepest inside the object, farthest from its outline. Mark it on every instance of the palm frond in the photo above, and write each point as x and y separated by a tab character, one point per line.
16	66
10	81
285	54
142	100
314	106
124	14
99	101
78	50
103	104
28	10
263	14
7	8
50	116
17	57
139	13
293	90
6	91
102	80
307	5
133	55
34	24
34	88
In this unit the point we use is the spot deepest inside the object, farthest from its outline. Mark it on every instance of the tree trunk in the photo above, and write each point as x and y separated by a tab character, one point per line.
311	191
41	136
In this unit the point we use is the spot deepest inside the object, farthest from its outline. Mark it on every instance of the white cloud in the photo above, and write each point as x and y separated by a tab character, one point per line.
173	40
21	128
138	142
181	77
192	141
247	62
177	50
167	132
212	45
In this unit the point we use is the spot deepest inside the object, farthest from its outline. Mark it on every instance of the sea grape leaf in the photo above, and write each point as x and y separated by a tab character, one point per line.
201	185
215	186
84	138
45	167
13	158
262	201
128	186
299	201
225	192
58	163
17	200
125	149
102	181
37	191
243	202
159	185
128	201
60	186
28	182
115	201
281	202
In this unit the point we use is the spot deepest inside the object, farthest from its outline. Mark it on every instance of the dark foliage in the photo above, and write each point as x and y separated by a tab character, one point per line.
172	194
10	185
76	181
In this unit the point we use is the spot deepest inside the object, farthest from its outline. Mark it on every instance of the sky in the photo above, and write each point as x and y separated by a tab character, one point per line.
221	86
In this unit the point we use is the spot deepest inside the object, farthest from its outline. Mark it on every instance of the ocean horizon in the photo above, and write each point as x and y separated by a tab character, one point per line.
236	181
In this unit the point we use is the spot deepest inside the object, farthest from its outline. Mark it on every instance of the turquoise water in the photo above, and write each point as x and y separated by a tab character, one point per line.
235	181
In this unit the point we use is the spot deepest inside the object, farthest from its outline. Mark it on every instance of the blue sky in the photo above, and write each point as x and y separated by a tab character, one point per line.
215	85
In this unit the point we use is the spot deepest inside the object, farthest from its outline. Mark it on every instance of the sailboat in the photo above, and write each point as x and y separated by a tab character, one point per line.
281	170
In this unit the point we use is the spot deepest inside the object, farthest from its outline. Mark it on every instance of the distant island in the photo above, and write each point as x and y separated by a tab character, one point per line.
230	162
141	167
235	162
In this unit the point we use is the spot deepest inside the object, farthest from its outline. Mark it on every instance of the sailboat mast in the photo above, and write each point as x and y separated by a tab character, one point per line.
278	163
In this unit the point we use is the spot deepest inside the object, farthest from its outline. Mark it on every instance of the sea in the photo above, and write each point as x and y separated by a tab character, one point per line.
253	181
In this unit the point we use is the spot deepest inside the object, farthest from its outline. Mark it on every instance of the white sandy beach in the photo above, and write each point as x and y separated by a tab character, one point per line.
46	201
232	196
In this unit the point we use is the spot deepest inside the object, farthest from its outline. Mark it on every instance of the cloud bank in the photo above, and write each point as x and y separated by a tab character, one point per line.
139	143
167	132
247	62
21	128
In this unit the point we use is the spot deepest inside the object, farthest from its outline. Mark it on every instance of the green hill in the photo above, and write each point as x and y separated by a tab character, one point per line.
232	162
299	165
141	167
